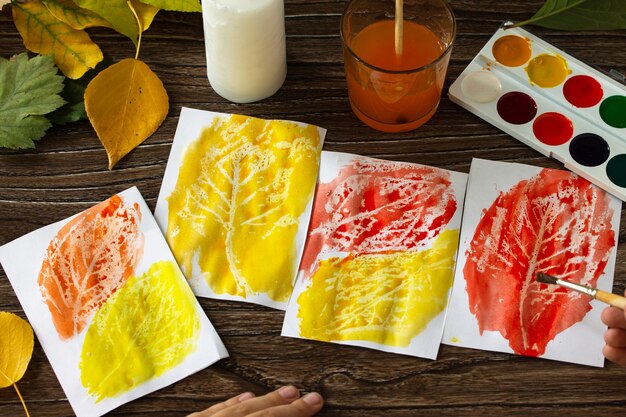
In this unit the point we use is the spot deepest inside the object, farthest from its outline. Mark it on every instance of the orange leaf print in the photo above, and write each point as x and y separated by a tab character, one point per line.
89	259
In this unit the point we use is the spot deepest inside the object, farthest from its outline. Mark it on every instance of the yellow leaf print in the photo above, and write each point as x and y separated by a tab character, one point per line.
382	298
147	328
235	209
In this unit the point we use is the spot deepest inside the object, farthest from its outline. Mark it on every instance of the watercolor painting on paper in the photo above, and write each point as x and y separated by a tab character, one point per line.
519	221
109	304
379	259
235	203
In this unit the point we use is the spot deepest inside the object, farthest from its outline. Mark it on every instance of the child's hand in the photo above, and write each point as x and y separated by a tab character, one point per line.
615	336
284	402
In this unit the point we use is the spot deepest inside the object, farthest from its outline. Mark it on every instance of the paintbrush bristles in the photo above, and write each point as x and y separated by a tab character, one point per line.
545	278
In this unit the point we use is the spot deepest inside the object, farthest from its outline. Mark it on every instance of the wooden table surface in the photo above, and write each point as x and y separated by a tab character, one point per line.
68	173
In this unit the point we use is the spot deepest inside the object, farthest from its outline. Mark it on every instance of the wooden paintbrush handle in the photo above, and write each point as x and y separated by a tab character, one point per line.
612	299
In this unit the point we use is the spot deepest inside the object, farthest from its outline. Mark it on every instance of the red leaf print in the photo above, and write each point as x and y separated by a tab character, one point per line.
88	260
376	206
555	223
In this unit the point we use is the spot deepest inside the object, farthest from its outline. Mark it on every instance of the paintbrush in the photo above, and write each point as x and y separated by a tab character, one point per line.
606	297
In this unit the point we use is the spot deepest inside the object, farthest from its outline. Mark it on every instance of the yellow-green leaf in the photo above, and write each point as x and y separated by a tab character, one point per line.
120	15
78	18
147	328
176	5
16	348
145	12
73	51
125	103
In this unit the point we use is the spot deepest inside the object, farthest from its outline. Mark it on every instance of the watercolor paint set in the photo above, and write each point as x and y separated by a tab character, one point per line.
550	101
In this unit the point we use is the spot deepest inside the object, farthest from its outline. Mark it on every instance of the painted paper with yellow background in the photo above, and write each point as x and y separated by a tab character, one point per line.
147	328
379	260
382	298
113	312
237	213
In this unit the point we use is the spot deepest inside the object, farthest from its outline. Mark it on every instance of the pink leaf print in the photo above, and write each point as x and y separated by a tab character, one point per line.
88	260
555	223
376	206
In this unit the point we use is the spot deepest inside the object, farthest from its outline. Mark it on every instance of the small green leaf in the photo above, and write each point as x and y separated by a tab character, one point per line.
73	93
580	15
29	89
72	111
176	5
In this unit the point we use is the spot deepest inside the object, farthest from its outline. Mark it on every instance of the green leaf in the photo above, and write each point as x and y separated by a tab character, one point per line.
580	15
22	133
176	5
29	89
146	328
74	95
74	109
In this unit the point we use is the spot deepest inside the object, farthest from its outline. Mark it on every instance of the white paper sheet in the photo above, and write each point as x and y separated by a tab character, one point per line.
22	261
582	342
389	215
190	128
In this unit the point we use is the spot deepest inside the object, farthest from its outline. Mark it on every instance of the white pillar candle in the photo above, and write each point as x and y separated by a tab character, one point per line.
245	47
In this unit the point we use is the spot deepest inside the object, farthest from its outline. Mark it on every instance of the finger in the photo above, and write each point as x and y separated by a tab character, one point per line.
281	396
617	355
615	338
614	317
223	405
306	406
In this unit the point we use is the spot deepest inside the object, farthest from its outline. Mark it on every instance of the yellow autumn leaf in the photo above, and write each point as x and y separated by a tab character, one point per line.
78	18
148	327
16	349
241	189
126	103
73	51
382	298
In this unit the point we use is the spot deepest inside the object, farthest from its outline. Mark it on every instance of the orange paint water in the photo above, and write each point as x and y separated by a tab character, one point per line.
398	94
